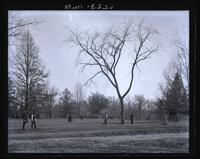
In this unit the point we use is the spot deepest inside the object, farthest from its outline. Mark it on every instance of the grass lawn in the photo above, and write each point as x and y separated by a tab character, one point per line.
90	136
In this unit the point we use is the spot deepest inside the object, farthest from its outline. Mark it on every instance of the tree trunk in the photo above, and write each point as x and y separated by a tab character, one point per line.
140	112
49	114
27	84
78	112
122	110
26	97
50	108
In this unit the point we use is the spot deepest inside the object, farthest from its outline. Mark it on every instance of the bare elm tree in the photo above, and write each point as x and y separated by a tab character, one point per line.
105	50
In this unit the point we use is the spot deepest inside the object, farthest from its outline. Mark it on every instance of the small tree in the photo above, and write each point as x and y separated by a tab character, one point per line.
50	94
97	102
79	95
139	102
66	102
161	110
114	108
150	107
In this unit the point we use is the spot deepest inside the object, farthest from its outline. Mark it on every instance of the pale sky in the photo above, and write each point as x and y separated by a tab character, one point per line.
60	57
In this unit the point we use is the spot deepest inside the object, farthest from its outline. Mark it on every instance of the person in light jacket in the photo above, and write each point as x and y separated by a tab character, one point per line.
105	119
33	118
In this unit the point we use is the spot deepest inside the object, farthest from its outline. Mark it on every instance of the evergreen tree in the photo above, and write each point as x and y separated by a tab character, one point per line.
175	98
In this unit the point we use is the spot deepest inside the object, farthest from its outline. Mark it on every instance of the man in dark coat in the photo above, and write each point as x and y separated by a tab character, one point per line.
70	118
131	118
33	117
25	119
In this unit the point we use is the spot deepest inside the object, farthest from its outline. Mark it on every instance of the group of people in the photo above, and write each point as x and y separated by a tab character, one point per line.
25	119
33	118
106	119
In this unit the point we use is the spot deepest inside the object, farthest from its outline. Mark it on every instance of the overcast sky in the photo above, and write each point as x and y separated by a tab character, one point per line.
60	57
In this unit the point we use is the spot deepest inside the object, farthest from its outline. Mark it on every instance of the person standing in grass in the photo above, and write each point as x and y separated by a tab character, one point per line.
131	117
105	119
70	118
25	119
33	118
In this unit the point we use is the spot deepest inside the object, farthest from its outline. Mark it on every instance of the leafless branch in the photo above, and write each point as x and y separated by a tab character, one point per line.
91	78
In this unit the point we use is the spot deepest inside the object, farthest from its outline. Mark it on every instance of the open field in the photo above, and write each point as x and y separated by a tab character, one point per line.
90	136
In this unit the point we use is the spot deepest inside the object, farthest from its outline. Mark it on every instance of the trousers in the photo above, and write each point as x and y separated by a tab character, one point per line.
33	124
